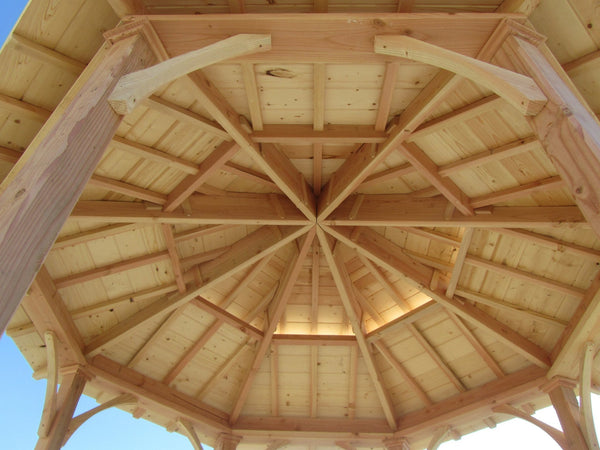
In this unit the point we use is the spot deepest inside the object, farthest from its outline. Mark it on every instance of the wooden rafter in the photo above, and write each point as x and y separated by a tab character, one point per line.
385	254
433	353
173	256
279	303
325	134
385	283
242	255
206	169
518	90
344	285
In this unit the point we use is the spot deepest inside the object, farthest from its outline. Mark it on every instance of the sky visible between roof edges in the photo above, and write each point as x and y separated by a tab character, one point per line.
23	397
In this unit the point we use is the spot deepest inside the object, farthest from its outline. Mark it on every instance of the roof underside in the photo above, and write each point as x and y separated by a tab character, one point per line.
337	327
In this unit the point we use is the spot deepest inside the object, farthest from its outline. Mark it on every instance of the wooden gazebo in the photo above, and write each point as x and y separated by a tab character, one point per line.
305	224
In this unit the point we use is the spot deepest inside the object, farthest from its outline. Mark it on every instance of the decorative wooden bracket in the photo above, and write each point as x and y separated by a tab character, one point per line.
49	410
137	86
440	435
518	90
555	434
77	421
586	418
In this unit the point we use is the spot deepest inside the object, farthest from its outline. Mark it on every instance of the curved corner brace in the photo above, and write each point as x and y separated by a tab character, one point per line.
585	410
51	385
137	86
519	90
190	432
555	434
76	422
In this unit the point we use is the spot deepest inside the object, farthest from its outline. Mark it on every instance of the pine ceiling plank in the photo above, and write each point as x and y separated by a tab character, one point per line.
215	271
402	210
385	283
518	90
385	254
23	109
288	280
244	209
521	191
133	88
245	282
344	285
124	8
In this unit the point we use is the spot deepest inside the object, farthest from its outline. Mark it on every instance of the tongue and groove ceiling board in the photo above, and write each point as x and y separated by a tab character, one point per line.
319	244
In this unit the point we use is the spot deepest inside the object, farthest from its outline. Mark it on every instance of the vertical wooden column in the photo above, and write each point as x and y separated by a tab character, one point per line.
396	443
38	195
561	393
227	441
68	396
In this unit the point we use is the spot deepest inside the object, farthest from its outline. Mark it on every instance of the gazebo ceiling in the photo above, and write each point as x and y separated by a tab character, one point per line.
370	228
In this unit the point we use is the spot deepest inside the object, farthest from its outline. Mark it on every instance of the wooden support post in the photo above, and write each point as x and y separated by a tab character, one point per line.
68	396
561	393
585	388
75	136
227	441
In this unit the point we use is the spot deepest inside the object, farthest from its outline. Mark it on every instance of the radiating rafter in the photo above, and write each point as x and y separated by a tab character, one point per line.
392	361
279	302
433	353
243	254
386	254
344	285
192	351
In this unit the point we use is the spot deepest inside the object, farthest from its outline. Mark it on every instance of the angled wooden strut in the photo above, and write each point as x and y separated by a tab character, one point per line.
520	91
137	86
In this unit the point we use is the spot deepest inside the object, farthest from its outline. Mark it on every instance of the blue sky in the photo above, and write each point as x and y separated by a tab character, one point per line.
22	397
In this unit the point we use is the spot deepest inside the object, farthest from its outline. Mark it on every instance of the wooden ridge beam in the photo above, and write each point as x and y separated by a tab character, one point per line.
330	134
406	211
156	395
518	90
387	255
234	209
288	280
247	251
134	87
344	286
